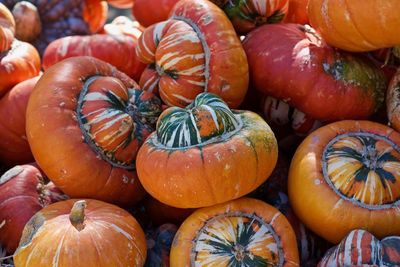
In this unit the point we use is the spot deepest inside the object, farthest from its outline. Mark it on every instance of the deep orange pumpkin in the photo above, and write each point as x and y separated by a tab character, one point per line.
244	232
121	3
85	233
97	119
357	25
149	12
297	12
14	147
95	14
344	176
195	51
7	28
393	102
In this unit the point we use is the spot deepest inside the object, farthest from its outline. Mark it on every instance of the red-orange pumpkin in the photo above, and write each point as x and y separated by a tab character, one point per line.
195	51
149	12
14	147
97	119
23	192
7	28
393	102
297	12
121	3
85	233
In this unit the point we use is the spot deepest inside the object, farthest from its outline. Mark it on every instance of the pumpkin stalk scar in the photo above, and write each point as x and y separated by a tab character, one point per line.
77	215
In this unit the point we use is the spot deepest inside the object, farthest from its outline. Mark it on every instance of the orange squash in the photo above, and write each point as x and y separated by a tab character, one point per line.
84	233
7	28
121	3
206	154
297	12
149	12
195	51
97	119
244	232
344	176
357	25
393	102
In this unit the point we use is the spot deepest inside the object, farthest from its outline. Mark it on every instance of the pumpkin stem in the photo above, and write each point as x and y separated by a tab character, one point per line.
27	21
77	215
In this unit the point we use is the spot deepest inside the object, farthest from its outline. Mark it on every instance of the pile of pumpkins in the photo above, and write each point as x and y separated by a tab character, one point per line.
200	133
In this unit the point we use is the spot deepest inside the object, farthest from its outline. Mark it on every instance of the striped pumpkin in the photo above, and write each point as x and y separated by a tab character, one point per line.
97	120
7	28
345	176
244	232
206	154
195	51
393	101
360	248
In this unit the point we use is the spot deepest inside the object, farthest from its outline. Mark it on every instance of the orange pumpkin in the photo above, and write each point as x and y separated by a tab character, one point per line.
149	12
344	176
357	25
97	120
121	3
393	102
297	12
94	13
206	154
7	28
244	232
14	147
195	51
87	233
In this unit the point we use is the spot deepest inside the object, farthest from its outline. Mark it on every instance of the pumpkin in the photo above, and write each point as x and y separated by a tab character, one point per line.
81	233
344	176
51	20
356	26
159	243
122	55
23	192
122	25
290	62
297	12
195	51
14	147
392	101
206	154
244	232
7	28
361	248
97	119
149	12
249	14
121	3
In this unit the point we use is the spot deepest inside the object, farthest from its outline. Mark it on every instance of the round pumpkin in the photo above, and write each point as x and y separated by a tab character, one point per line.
206	154
393	102
23	192
122	55
361	248
195	51
81	233
297	12
290	62
97	119
7	28
357	25
244	232
149	12
14	147
344	176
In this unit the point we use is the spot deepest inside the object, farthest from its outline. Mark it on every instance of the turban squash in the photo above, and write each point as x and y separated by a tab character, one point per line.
195	51
87	233
244	232
97	119
290	62
149	12
206	154
344	176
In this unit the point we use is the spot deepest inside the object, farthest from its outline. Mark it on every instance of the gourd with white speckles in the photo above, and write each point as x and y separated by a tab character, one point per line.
206	154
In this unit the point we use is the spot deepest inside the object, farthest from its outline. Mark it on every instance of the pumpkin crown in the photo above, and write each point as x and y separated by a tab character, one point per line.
77	215
206	120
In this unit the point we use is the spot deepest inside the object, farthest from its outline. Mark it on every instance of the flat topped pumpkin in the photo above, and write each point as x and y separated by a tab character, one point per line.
195	51
206	154
244	232
345	176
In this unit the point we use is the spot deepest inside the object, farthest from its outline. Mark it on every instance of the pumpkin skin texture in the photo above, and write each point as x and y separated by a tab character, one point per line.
195	51
149	12
206	154
98	120
392	102
311	76
297	12
122	55
344	177
23	192
14	147
7	28
244	232
81	233
360	248
356	26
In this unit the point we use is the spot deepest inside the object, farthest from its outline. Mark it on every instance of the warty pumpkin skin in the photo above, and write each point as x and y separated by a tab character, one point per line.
360	248
206	154
357	26
393	102
292	63
7	28
244	232
97	119
14	147
195	51
344	176
149	12
122	55
85	233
